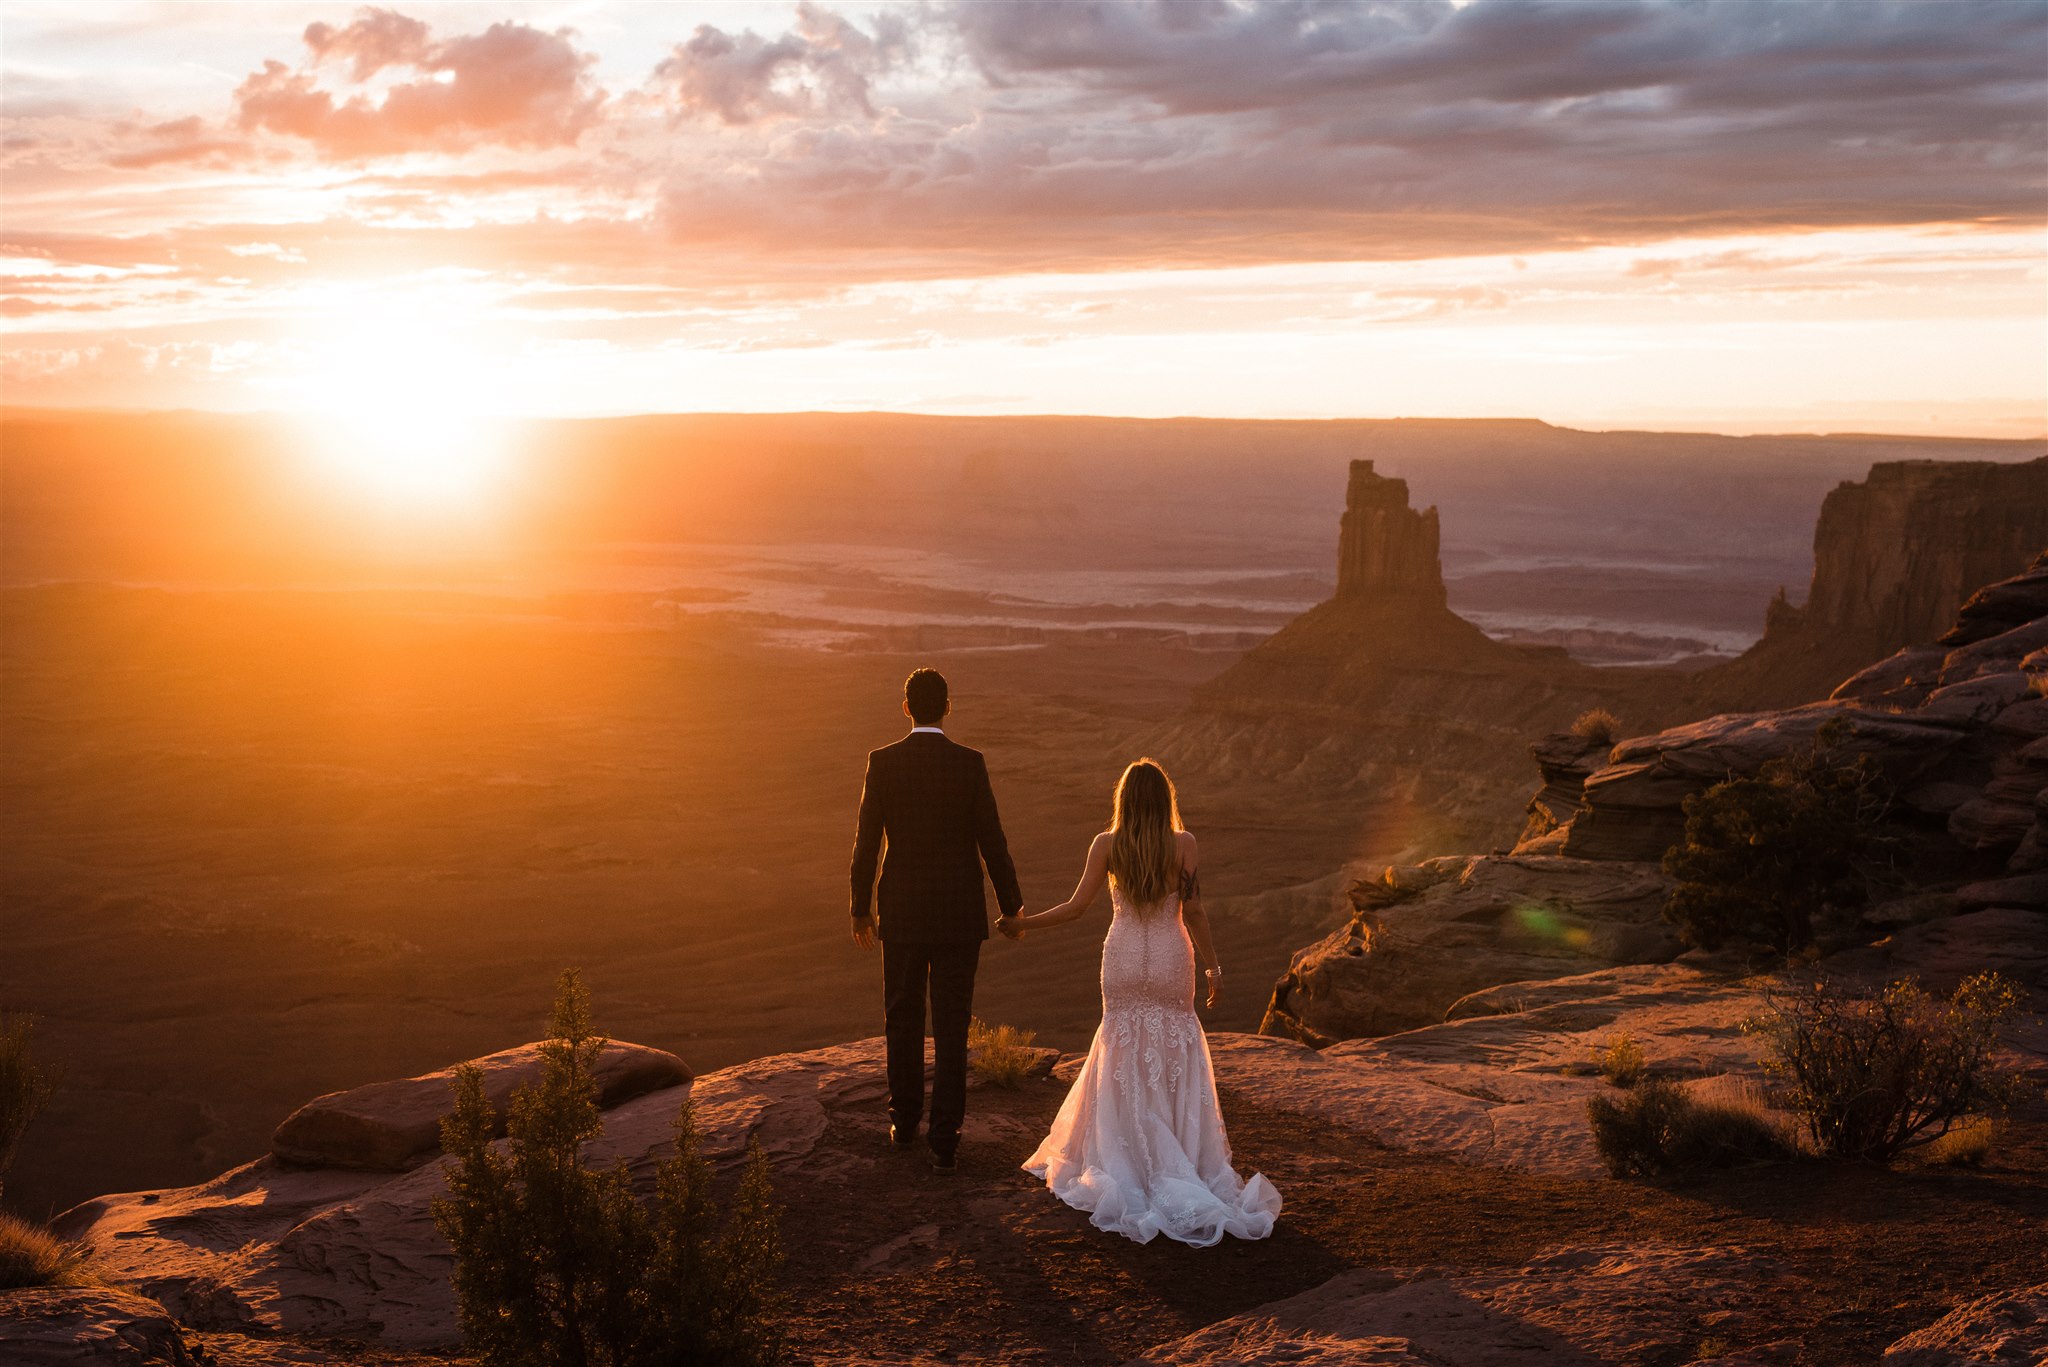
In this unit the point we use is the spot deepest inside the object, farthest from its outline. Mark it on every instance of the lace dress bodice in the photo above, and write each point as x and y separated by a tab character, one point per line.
1139	1142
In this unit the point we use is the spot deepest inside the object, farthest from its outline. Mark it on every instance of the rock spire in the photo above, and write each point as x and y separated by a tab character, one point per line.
1387	552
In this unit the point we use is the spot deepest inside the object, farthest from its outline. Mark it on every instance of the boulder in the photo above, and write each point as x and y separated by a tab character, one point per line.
1566	761
395	1126
1903	678
1423	936
1605	1304
2010	1327
88	1326
2028	890
1998	608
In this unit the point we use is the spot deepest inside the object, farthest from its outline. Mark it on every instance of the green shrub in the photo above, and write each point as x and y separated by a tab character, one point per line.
24	1087
1658	1129
31	1256
1001	1054
1622	1062
1762	857
559	1265
1598	725
1873	1073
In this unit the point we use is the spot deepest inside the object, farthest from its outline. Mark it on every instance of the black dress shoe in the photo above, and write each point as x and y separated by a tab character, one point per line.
944	1163
902	1138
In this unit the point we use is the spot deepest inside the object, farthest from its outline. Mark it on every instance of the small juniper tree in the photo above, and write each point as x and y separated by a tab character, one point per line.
559	1265
1763	856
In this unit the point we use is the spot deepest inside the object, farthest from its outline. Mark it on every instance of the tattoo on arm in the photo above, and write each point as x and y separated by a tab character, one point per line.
1190	885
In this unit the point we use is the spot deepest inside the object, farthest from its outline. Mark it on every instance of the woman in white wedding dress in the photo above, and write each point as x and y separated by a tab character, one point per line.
1139	1142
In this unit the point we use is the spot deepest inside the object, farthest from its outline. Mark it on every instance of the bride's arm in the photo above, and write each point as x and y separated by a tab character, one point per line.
1195	918
1093	876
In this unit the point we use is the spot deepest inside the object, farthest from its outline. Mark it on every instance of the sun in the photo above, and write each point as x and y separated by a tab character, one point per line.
402	412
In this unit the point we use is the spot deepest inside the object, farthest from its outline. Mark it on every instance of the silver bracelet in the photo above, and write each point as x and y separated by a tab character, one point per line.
1215	972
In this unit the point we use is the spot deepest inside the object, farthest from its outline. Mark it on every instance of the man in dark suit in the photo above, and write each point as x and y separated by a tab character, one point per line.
932	800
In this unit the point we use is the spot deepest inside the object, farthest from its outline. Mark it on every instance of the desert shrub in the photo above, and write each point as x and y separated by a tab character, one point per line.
1597	725
1873	1073
1001	1053
24	1086
32	1256
1968	1144
1658	1130
1763	856
1622	1062
558	1264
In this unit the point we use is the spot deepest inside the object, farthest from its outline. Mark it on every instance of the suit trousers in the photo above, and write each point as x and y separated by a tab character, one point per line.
945	972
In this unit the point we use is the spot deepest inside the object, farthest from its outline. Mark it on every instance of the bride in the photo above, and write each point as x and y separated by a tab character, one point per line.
1139	1141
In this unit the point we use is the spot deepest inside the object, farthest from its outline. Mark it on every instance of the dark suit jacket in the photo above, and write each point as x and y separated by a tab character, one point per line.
932	799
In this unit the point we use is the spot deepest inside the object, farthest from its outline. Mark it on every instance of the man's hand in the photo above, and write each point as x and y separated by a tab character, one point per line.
1009	927
864	931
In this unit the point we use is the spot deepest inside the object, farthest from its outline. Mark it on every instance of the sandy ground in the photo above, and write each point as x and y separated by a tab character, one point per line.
260	846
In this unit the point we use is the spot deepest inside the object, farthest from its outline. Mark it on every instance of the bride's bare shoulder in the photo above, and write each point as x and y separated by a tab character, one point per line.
1185	841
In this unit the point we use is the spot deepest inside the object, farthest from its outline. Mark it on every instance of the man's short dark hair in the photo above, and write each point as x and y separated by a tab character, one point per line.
925	692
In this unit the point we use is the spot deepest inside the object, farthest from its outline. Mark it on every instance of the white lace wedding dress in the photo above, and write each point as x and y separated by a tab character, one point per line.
1139	1142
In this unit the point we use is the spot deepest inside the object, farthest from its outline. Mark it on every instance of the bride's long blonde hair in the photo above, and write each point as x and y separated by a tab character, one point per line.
1144	857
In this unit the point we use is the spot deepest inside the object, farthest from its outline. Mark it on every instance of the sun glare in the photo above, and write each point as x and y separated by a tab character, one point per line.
402	413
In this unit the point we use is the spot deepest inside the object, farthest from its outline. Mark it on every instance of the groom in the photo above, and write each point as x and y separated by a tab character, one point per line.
932	800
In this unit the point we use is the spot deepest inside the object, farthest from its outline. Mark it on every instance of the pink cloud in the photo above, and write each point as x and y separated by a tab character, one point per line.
509	85
823	66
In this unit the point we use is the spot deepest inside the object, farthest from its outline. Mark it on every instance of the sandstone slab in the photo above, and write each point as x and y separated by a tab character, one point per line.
395	1126
341	1253
1572	1307
94	1326
1423	937
2008	1328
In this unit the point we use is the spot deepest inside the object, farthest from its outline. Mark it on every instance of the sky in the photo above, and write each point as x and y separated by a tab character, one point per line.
1730	215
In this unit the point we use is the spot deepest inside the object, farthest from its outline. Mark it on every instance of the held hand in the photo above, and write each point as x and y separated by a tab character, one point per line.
864	931
1215	976
1009	927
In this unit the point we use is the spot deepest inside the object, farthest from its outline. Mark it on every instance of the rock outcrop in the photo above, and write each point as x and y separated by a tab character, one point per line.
1894	556
1505	1079
347	1252
1424	935
1611	1304
1958	728
2009	1329
396	1126
88	1326
1386	551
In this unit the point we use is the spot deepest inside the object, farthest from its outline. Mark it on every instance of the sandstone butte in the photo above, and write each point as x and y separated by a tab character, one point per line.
1451	1016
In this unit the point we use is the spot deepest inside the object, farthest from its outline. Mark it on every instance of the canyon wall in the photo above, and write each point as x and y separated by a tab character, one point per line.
1893	557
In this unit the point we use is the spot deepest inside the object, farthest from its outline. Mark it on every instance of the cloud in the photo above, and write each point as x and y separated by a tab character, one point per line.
1197	131
509	85
377	39
190	139
823	66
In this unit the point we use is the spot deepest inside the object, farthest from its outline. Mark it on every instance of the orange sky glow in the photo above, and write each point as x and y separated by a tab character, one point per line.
1743	216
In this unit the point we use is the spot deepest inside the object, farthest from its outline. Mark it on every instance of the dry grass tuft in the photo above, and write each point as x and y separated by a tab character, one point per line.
1659	1129
1968	1144
1000	1054
1597	724
31	1256
1622	1062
